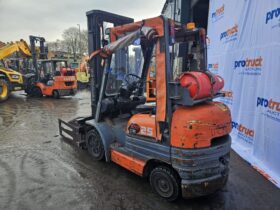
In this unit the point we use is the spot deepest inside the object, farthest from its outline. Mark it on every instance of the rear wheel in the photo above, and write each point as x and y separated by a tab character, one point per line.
95	145
165	183
56	94
4	90
73	92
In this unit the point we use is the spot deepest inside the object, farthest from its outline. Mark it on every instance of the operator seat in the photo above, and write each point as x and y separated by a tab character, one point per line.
144	109
46	78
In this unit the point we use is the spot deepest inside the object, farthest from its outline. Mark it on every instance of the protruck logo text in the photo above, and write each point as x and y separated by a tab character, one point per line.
249	66
243	132
218	14
270	108
214	67
272	16
228	97
230	34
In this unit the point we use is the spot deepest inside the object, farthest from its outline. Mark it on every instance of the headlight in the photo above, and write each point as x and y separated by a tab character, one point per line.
15	76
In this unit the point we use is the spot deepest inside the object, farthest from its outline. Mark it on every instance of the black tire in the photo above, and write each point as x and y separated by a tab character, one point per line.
36	92
165	183
73	92
95	145
56	94
4	90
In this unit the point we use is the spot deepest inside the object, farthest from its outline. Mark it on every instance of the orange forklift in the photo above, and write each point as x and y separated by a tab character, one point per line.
51	77
181	143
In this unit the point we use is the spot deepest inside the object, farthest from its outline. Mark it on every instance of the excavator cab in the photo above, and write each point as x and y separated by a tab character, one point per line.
181	141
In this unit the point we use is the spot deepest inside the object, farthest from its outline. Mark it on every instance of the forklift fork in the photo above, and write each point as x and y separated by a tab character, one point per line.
74	131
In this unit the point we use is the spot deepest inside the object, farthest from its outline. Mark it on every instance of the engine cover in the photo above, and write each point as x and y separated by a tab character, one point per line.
197	126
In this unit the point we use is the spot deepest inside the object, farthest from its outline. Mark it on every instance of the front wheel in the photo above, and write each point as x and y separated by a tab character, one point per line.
36	92
56	94
95	145
4	90
165	183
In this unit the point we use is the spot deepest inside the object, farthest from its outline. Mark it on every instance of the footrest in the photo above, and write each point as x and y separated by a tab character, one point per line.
120	156
119	148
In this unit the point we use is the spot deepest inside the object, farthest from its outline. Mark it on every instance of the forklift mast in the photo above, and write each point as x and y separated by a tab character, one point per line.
43	54
96	40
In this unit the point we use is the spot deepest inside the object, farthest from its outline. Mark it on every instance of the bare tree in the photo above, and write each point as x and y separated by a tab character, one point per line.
73	42
58	45
71	39
84	42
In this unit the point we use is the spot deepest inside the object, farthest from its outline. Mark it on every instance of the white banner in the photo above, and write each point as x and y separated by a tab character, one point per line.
244	48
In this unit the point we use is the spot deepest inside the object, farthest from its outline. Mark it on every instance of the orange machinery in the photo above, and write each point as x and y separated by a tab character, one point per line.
151	84
51	77
180	143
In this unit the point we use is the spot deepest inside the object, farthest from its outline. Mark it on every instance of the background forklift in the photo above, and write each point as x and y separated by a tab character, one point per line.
11	80
181	144
51	77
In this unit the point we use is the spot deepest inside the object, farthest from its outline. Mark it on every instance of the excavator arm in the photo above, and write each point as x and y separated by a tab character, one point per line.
11	80
18	46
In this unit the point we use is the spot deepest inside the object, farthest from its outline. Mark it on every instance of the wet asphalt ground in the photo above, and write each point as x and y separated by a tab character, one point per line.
38	170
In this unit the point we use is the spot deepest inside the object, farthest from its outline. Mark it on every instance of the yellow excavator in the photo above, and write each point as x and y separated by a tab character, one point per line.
11	80
82	72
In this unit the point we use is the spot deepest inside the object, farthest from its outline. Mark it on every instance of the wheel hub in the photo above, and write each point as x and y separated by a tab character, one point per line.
163	185
94	145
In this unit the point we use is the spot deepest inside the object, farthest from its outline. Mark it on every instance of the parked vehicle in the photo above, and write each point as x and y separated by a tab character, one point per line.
181	143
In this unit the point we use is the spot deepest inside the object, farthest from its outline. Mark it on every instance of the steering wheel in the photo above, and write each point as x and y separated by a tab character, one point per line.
132	79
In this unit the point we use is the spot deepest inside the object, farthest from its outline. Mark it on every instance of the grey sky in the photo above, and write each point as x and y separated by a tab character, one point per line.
48	18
